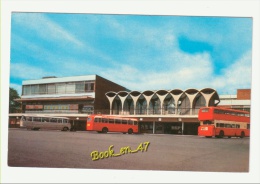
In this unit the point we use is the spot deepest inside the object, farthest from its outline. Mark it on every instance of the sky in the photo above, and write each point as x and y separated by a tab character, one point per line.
139	52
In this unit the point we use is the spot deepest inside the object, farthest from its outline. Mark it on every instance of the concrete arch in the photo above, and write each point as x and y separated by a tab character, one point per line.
191	93
176	94
210	96
168	104
122	96
162	95
177	101
141	105
110	96
148	96
154	106
198	102
135	95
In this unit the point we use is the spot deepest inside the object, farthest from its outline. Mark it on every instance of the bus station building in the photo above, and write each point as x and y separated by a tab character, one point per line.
172	111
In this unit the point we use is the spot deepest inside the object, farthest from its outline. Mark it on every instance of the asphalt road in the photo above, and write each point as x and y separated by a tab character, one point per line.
56	149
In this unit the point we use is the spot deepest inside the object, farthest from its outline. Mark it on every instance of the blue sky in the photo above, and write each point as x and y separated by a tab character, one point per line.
137	51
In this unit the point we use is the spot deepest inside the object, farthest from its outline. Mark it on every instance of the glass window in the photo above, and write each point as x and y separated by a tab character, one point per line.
27	90
42	89
124	121
96	120
65	121
104	120
207	122
118	121
111	120
248	126
227	126
233	126
135	123
61	88
221	125
80	87
51	88
130	122
53	120
70	87
35	89
45	119
237	126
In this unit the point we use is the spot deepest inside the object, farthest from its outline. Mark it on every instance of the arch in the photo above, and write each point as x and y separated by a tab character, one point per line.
141	105
211	96
110	96
154	105
128	106
168	105
116	105
198	102
184	104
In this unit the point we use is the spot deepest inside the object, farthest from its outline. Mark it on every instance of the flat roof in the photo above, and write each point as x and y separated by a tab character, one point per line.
60	79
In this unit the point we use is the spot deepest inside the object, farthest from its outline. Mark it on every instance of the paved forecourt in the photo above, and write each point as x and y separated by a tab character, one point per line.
57	149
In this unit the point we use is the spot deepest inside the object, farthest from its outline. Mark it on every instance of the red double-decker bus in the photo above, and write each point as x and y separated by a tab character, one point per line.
105	123
221	122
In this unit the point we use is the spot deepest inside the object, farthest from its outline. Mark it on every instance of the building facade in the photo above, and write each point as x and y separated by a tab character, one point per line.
74	97
239	101
159	112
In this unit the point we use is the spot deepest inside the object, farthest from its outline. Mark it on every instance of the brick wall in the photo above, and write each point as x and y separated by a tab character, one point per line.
103	86
244	94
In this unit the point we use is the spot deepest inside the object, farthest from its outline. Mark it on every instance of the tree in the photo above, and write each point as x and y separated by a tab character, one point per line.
14	106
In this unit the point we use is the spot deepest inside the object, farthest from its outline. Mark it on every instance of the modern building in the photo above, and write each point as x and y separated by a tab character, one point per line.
161	111
240	101
74	97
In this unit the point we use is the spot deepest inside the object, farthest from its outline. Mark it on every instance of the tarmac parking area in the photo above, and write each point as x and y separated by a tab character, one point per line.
159	152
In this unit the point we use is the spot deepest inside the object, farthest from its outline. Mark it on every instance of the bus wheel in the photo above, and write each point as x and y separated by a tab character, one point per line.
65	129
130	131
242	135
221	134
229	137
104	130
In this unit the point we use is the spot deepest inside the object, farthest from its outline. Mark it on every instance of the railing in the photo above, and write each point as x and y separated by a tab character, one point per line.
144	111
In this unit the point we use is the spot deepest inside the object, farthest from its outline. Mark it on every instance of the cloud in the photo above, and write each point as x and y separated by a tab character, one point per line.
45	28
24	71
236	76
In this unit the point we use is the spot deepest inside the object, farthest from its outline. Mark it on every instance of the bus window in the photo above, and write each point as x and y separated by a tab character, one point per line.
53	120
135	122
29	118
38	119
118	121
65	121
89	119
104	120
233	126
221	125
130	122
217	125
59	120
205	110
96	120
124	121
227	126
111	120
45	119
237	126
207	122
248	126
